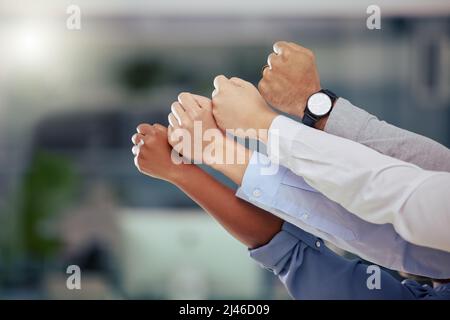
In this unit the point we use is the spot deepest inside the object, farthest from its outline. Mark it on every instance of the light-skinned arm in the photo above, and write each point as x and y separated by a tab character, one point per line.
377	188
293	76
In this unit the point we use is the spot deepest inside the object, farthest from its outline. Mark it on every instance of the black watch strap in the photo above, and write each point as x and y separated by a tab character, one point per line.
308	118
331	94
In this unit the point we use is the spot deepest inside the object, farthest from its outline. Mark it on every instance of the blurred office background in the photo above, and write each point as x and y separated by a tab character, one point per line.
71	99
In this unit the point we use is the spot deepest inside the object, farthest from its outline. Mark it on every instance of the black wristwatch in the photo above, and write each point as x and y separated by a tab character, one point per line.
318	105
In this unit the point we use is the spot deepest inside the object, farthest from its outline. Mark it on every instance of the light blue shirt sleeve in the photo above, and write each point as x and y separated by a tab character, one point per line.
279	191
291	198
267	184
309	270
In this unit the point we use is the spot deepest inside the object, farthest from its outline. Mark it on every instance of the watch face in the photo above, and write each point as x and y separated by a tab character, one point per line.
319	104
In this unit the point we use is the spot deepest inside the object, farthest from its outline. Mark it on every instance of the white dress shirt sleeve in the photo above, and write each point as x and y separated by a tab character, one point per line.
375	187
353	123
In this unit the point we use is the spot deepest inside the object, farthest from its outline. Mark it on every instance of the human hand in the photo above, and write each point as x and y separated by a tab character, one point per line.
153	153
237	104
193	128
290	78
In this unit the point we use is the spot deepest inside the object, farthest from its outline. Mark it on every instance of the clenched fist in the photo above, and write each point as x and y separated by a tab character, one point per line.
290	78
238	105
153	153
193	128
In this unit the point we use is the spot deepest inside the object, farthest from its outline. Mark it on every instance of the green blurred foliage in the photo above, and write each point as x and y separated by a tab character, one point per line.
141	74
47	188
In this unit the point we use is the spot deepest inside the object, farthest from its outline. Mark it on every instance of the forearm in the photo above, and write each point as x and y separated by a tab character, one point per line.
232	159
353	123
250	225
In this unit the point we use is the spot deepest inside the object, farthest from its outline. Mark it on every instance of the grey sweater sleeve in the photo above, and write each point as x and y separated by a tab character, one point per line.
350	122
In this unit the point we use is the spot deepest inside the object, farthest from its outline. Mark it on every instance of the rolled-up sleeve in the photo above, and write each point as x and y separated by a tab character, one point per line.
275	255
309	270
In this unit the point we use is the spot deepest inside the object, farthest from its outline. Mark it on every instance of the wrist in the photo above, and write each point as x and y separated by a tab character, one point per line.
181	174
214	152
233	161
264	125
321	123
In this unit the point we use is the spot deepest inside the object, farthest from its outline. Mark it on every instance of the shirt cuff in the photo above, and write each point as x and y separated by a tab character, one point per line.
261	180
346	120
280	138
274	255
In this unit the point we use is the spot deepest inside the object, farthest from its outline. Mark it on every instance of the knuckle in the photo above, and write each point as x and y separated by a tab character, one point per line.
286	47
222	88
262	85
220	81
140	162
141	127
137	161
216	103
172	137
217	79
295	46
141	145
183	95
285	55
175	105
265	92
159	128
140	152
272	59
309	53
267	74
279	45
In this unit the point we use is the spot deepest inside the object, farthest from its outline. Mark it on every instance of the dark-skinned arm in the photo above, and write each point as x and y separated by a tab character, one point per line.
250	225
